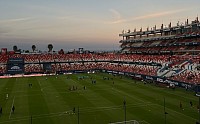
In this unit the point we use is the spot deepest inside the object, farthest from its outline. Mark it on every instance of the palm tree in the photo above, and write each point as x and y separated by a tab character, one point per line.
15	48
33	47
50	47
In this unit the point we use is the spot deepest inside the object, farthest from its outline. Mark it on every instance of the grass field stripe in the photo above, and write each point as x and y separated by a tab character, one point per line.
160	105
121	92
98	104
112	108
119	106
11	107
88	110
162	91
41	89
42	115
143	121
65	112
28	118
168	108
39	83
177	112
129	95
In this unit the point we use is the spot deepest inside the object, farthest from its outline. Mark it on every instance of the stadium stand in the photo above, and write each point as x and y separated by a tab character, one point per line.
172	54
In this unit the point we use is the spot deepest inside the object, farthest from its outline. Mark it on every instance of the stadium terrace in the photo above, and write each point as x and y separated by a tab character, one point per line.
167	55
179	39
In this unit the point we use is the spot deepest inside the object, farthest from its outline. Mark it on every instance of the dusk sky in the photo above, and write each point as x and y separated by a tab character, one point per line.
91	24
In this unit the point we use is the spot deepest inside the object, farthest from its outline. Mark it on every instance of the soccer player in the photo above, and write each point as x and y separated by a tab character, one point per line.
6	96
191	104
13	109
74	110
0	111
70	88
94	81
198	108
181	106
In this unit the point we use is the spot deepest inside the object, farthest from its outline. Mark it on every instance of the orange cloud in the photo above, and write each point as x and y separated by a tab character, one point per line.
153	15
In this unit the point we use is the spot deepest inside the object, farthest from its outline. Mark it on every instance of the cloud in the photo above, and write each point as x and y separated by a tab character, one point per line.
153	15
157	14
7	26
15	20
3	31
79	19
117	17
116	14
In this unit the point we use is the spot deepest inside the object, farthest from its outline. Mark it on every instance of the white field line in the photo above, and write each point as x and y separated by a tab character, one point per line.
83	110
177	112
25	118
143	121
163	91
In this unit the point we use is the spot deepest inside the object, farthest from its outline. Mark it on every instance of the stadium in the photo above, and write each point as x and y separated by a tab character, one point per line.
153	79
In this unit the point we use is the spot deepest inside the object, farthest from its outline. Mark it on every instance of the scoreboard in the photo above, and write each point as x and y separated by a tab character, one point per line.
15	66
47	67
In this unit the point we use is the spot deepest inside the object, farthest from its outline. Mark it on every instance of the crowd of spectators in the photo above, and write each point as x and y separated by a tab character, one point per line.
132	63
162	45
188	76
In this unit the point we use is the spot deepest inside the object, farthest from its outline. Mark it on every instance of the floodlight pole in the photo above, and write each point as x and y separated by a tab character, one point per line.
78	114
165	111
199	109
31	119
124	110
198	95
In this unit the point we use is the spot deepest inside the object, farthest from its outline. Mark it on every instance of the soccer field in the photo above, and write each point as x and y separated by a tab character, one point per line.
56	99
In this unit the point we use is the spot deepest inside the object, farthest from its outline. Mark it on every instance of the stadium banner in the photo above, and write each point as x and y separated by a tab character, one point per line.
122	73
15	66
172	82
79	71
115	72
149	78
47	67
109	71
3	51
138	76
156	78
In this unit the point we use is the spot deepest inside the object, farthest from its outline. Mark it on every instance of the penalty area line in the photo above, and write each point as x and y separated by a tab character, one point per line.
11	107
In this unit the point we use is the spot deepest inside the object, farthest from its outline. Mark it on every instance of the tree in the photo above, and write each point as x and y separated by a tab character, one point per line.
61	51
15	48
19	50
50	47
33	47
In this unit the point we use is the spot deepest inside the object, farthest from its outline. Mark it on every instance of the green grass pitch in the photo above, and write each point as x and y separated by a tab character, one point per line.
49	101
